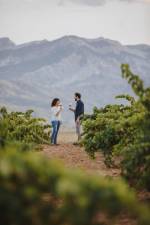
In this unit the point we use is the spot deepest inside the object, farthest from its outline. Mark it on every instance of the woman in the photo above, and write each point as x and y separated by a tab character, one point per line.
56	109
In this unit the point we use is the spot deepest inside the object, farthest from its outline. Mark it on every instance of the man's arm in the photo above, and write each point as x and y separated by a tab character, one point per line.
71	109
80	109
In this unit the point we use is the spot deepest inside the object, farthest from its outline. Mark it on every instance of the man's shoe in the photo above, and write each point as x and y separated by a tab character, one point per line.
76	143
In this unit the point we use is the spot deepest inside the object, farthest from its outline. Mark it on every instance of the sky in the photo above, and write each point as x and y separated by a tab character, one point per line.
127	21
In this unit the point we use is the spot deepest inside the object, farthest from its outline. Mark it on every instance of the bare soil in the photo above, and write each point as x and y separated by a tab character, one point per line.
74	156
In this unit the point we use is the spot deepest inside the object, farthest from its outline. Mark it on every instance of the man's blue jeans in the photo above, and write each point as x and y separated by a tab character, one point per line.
55	126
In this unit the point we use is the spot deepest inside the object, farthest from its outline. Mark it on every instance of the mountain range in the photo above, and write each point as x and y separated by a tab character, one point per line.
32	74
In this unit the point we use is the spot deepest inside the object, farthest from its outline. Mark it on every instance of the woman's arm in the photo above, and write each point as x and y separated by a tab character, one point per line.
57	114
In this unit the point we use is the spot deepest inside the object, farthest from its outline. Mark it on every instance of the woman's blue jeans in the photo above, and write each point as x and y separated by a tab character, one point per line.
55	126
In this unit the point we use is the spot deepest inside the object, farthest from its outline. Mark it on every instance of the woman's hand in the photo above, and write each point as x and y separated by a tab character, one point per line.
61	108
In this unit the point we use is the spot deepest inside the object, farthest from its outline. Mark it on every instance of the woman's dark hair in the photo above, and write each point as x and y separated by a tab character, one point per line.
78	95
54	102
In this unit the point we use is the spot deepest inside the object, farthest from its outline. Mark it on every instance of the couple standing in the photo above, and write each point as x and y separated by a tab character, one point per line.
56	109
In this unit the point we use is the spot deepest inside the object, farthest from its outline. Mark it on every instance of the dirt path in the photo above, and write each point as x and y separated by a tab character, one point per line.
74	156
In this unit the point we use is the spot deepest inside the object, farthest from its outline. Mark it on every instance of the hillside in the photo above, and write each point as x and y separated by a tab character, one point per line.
31	74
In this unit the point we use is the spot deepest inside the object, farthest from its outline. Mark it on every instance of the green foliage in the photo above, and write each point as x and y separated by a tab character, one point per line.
124	131
19	126
37	191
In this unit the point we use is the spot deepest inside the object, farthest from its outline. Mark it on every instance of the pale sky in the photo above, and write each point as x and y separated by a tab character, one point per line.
127	21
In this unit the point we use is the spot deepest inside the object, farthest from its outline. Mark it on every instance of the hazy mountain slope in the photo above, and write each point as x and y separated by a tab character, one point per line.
32	74
6	43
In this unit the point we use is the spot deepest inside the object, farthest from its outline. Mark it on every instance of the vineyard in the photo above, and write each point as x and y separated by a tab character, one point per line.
122	133
23	127
38	191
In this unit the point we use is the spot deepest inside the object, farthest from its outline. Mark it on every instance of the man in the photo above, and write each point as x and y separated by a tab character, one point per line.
78	112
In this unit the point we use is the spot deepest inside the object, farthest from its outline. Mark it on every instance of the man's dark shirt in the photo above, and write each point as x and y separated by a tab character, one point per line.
79	109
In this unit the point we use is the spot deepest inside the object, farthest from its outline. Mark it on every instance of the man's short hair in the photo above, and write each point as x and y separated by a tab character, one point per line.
78	95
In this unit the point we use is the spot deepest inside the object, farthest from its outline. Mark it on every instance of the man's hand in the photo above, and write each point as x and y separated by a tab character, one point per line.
78	120
71	109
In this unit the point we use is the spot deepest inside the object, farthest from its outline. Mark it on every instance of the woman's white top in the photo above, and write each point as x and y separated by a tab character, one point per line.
54	111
